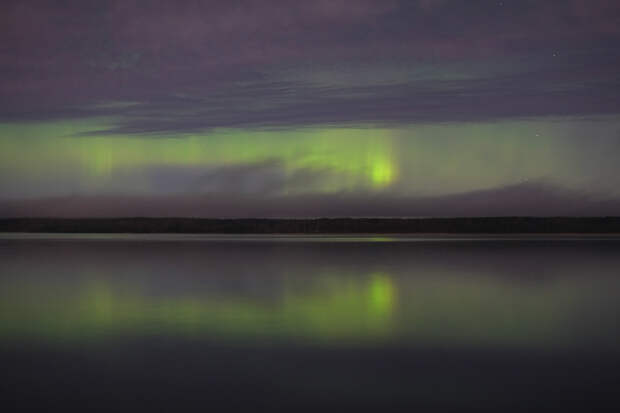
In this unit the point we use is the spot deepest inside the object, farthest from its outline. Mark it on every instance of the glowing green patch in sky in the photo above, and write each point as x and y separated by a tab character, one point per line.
69	157
382	172
353	158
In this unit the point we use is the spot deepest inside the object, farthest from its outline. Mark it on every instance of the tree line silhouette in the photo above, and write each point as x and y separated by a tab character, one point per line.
491	225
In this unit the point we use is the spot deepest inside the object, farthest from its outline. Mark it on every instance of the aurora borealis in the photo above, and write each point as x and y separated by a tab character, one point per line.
321	205
304	109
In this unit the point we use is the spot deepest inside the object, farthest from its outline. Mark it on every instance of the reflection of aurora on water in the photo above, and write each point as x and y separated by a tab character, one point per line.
329	308
347	309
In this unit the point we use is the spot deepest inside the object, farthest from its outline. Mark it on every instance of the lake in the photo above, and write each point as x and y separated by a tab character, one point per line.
205	322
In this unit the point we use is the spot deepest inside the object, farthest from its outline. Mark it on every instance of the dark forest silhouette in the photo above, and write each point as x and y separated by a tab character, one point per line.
493	225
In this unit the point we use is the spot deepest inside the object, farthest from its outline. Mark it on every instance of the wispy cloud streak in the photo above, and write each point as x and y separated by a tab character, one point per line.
527	199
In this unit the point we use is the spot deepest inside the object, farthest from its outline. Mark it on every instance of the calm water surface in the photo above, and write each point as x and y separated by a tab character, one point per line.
186	322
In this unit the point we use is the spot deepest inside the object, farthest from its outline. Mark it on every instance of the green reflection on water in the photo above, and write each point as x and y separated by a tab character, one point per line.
328	308
381	295
342	309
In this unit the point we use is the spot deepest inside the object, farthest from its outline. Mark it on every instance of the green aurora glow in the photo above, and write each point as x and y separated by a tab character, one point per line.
74	157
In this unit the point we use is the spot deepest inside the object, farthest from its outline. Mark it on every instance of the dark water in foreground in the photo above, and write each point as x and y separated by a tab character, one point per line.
208	323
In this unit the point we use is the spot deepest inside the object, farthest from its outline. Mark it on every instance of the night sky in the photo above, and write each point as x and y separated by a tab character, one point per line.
275	108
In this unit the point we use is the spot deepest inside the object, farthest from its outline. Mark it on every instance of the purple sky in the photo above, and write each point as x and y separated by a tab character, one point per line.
310	108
